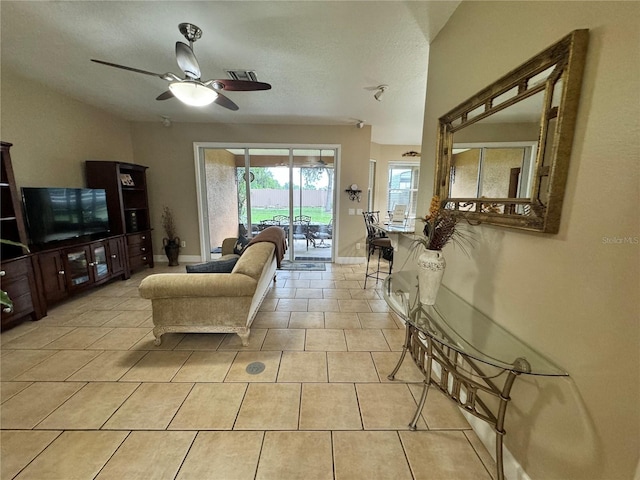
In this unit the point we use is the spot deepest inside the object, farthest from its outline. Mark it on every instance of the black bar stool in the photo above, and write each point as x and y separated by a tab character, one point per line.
378	241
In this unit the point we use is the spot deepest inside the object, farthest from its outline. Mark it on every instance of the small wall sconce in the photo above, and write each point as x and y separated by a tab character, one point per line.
354	192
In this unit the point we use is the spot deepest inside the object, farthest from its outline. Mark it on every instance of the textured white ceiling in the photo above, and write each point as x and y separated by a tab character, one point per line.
323	58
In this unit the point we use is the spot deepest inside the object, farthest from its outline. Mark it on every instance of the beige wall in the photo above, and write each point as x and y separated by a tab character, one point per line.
572	296
466	166
53	134
498	132
169	154
222	195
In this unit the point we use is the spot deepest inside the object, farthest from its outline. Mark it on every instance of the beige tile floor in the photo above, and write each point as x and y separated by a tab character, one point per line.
85	393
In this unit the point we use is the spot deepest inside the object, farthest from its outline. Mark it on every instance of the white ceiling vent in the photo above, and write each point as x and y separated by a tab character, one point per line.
249	75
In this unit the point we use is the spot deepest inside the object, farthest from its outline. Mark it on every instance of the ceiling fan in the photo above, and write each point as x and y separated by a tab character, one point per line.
191	90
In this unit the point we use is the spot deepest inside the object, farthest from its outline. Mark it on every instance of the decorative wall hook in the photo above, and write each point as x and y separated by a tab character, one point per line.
354	192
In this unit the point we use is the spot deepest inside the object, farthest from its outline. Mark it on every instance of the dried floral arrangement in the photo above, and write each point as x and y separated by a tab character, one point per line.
168	223
442	227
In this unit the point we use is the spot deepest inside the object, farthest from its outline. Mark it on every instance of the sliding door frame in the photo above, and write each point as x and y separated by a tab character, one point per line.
201	185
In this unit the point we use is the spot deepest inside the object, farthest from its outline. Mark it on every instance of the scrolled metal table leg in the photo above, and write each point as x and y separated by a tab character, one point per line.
502	411
423	399
405	347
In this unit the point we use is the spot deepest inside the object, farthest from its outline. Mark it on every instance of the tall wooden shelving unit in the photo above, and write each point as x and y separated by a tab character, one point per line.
18	269
128	206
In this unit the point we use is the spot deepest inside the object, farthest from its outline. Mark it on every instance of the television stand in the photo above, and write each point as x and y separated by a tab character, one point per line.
73	268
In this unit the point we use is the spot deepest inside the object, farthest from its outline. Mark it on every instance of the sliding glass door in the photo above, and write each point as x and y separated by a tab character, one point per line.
312	188
267	190
249	189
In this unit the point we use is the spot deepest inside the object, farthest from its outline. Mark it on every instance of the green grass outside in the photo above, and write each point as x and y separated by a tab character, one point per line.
317	214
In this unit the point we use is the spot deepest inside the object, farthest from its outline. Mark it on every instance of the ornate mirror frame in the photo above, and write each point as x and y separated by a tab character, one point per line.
555	74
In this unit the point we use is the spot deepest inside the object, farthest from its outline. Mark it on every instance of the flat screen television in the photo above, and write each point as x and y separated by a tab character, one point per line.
55	214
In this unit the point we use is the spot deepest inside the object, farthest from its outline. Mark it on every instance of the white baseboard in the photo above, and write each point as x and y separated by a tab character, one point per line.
197	259
181	259
350	260
512	469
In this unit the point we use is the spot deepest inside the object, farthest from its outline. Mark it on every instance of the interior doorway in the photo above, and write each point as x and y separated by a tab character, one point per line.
244	189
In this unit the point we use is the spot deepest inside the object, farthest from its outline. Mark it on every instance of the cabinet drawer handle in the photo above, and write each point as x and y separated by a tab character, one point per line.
60	272
144	237
7	309
2	273
144	258
114	256
143	249
92	264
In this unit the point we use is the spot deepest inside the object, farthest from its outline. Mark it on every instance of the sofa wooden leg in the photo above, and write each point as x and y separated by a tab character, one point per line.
158	332
244	338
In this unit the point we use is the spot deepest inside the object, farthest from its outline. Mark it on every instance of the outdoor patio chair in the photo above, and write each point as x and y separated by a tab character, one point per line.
324	232
301	228
267	223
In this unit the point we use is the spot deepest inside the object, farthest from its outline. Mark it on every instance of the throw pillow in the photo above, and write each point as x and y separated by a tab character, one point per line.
221	265
240	245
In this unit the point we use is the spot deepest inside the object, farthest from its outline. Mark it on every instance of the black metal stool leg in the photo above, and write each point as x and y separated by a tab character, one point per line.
366	273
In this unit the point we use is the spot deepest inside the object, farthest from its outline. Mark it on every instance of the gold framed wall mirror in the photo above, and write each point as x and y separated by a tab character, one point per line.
503	155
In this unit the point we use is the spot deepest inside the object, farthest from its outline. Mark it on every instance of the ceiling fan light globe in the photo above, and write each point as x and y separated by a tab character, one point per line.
193	93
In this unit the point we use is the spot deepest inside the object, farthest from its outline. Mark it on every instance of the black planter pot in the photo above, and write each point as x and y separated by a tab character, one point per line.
172	250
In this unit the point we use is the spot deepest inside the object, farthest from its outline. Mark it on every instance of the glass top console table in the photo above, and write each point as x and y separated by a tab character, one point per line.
462	352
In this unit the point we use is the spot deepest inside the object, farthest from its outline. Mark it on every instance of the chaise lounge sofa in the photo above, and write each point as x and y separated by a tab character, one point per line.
216	302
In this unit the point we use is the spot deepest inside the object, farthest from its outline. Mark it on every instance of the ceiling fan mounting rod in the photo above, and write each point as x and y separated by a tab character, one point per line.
191	32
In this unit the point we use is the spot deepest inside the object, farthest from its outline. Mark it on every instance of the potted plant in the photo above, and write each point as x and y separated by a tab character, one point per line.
171	241
440	228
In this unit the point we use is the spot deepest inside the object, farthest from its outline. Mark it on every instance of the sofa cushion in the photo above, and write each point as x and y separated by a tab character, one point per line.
241	243
223	264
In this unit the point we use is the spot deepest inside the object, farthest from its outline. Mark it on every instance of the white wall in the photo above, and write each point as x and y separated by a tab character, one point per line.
572	296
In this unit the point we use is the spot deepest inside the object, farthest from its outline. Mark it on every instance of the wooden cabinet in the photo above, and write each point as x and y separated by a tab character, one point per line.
69	270
19	281
17	269
11	220
128	205
86	265
139	250
117	256
54	280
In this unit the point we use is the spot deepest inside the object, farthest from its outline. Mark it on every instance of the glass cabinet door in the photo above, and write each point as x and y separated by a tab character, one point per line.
100	261
78	267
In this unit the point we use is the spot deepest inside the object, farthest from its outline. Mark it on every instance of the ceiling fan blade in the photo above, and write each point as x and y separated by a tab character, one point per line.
165	95
241	85
131	69
225	102
187	60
